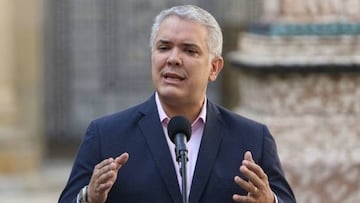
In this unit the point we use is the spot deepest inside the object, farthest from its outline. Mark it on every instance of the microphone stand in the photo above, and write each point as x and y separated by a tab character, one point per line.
182	158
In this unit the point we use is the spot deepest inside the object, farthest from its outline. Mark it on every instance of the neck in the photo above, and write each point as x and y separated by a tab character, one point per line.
191	111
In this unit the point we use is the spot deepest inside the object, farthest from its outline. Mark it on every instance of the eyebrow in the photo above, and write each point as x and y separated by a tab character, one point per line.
183	44
161	41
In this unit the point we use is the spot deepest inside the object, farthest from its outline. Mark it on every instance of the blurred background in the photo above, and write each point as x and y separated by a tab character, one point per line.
292	64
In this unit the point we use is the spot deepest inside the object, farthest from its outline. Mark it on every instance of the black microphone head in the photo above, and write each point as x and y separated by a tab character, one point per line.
179	124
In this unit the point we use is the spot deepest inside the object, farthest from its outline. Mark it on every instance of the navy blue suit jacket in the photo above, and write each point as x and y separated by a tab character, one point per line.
149	175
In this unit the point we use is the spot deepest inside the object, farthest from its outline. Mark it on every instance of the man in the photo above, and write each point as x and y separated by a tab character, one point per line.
231	158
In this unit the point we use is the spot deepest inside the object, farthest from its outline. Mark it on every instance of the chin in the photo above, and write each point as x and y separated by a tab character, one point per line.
169	93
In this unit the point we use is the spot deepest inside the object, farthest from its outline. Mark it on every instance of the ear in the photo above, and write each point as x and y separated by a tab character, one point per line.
217	63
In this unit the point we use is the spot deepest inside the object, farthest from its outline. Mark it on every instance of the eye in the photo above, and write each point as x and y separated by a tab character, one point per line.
191	51
163	47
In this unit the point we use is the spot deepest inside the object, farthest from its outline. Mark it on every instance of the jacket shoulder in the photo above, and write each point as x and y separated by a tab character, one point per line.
128	115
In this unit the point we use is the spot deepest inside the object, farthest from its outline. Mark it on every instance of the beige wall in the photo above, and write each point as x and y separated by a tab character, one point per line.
20	85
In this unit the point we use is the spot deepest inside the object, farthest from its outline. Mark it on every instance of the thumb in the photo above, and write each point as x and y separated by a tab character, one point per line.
122	159
248	156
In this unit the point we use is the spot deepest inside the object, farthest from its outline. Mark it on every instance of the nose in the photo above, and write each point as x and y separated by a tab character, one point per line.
174	58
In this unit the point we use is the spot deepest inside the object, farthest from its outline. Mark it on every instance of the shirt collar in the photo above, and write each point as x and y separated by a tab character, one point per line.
165	118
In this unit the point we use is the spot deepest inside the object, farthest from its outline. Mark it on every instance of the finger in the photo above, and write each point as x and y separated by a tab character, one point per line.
107	176
105	172
100	174
250	163
248	186
105	181
243	199
253	177
256	169
108	173
101	167
122	159
253	166
104	187
104	163
112	166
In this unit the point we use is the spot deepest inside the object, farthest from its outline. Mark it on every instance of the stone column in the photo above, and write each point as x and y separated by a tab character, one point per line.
20	85
8	97
300	75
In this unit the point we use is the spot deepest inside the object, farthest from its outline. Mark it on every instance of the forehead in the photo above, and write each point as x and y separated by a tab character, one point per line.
175	29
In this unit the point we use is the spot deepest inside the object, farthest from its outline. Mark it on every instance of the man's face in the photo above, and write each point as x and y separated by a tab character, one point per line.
181	65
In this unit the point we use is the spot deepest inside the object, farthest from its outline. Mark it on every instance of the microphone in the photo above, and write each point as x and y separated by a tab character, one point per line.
179	131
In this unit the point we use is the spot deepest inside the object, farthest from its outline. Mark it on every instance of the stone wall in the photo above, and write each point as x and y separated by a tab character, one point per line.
315	120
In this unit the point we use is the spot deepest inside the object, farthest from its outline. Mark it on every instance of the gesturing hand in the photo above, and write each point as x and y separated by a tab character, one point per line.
257	186
103	178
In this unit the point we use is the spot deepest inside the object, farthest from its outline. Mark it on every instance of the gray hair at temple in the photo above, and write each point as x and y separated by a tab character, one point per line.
197	15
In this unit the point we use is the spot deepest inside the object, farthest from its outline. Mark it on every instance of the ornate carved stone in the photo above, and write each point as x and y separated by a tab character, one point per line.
300	74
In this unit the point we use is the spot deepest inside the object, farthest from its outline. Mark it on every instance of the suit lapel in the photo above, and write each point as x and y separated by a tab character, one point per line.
154	135
207	153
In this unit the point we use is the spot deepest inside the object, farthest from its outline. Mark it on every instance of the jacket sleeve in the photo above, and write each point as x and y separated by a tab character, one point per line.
88	155
272	167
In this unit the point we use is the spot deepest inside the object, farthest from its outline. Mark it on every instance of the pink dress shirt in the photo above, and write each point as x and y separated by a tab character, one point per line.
193	144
